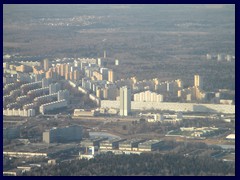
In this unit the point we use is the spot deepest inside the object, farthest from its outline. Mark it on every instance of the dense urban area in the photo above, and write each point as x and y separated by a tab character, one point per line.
108	90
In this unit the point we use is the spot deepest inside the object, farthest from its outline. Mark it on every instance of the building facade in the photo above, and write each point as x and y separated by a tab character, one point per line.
125	101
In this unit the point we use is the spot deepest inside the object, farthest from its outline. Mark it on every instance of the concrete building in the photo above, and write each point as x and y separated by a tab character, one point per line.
46	97
125	101
63	94
11	132
171	106
219	57
116	62
198	82
52	106
63	135
45	82
104	54
38	77
31	85
104	72
31	112
110	144
208	56
76	75
19	112
94	142
37	70
111	76
23	68
148	146
99	62
39	91
54	88
130	145
97	76
148	96
40	150
82	112
46	64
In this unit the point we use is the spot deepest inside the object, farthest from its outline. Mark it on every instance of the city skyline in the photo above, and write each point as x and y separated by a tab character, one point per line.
151	87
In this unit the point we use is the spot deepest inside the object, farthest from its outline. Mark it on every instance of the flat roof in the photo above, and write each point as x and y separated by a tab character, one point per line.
150	142
130	141
41	148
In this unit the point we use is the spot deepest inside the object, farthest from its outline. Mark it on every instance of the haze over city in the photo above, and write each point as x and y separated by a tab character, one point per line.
86	86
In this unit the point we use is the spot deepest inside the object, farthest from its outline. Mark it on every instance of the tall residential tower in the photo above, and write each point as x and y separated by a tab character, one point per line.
198	82
125	101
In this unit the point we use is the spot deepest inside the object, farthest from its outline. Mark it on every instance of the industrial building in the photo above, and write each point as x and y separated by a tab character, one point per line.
148	146
130	145
39	150
94	142
110	144
172	106
63	135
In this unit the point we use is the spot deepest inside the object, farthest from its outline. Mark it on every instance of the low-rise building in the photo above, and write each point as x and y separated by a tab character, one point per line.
148	146
82	112
52	106
130	145
94	142
64	134
110	144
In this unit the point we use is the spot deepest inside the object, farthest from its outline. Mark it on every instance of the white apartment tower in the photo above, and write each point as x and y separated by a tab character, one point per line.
104	54
125	101
198	82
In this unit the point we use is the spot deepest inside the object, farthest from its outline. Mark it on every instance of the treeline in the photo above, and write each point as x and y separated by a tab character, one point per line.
139	165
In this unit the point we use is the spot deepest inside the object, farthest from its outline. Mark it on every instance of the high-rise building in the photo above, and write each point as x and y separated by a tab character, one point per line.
45	82
54	88
219	57
67	68
38	77
111	76
46	64
125	101
198	82
62	67
49	73
76	75
116	62
99	62
105	55
104	72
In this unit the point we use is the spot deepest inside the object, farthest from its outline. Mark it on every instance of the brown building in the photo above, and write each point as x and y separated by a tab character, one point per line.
76	75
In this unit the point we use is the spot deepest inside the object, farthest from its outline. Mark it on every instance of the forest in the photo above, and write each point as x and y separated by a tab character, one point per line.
139	165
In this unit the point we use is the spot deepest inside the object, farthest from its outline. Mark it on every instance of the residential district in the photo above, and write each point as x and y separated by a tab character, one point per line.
64	109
